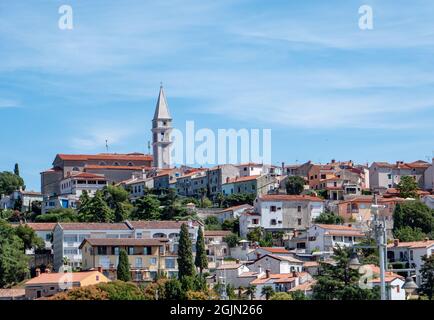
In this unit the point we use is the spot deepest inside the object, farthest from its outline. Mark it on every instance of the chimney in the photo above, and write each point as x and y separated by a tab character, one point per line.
100	269
237	261
267	273
38	272
333	160
395	242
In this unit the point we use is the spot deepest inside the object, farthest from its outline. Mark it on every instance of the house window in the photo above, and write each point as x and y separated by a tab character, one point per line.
273	222
299	221
298	208
116	251
139	235
170	263
153	261
139	263
255	221
273	208
130	250
147	251
389	176
102	250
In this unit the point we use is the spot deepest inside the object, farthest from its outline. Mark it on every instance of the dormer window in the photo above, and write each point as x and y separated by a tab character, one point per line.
116	163
130	164
102	163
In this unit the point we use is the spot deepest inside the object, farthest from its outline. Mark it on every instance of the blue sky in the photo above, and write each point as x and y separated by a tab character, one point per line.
302	68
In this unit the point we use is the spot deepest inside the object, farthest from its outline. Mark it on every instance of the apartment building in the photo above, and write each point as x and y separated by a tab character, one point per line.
323	238
288	212
147	257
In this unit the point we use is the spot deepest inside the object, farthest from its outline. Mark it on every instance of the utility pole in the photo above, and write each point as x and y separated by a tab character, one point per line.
380	232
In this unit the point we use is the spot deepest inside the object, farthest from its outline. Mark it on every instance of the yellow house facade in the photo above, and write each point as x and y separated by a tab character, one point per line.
147	257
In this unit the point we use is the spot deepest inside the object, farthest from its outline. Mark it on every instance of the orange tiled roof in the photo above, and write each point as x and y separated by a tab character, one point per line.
287	197
95	166
58	277
106	156
217	233
155	224
243	179
335	227
41	226
93	226
274	249
413	244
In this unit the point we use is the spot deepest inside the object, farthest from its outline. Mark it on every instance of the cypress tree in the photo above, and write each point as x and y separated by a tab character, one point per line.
201	260
17	170
123	270
185	255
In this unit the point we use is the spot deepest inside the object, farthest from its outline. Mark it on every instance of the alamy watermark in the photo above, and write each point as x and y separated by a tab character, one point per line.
207	147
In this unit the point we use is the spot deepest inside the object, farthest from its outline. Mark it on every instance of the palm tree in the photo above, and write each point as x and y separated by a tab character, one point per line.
267	291
251	289
240	291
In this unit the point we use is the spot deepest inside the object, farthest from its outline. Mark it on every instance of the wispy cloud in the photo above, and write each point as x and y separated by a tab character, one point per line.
5	103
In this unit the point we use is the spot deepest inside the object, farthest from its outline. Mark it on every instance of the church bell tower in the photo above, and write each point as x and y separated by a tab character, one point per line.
161	129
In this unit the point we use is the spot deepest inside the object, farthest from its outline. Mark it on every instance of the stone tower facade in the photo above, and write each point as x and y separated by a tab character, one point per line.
161	129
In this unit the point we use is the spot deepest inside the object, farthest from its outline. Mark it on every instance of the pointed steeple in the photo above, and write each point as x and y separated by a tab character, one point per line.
162	108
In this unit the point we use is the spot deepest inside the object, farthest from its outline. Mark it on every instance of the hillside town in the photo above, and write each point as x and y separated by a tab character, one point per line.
134	226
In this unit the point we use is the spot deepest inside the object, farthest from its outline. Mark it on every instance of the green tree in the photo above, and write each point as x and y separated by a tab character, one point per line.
13	261
173	290
340	282
9	182
414	214
255	235
407	234
147	208
407	187
29	237
212	223
231	240
298	295
267	291
36	207
250	291
230	291
185	255
201	260
328	217
96	210
281	296
294	185
59	215
237	199
16	170
18	204
123	270
427	276
118	201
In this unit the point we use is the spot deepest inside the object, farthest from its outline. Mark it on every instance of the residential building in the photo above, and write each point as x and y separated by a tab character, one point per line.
249	220
215	246
384	175
277	264
48	284
429	201
147	257
410	253
429	177
322	238
67	238
12	294
44	230
218	175
288	212
233	212
262	251
26	197
280	282
236	274
358	210
255	184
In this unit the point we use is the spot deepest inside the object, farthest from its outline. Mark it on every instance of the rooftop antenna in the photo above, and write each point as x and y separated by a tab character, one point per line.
106	145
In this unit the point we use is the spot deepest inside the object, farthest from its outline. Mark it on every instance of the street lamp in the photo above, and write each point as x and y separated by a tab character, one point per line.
354	262
409	286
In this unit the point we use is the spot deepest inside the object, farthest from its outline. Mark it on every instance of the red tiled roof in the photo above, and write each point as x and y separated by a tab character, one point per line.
243	179
274	249
93	226
277	278
247	206
41	226
142	224
96	167
107	156
335	227
58	277
413	244
287	197
217	233
229	266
